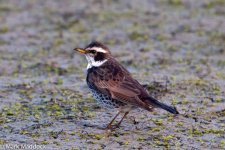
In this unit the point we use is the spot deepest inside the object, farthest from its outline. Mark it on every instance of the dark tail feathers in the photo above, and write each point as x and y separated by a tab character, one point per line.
156	103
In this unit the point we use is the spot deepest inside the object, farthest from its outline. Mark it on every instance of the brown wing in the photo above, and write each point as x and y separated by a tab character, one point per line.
115	80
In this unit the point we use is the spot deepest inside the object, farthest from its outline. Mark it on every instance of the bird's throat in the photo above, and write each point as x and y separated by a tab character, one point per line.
93	63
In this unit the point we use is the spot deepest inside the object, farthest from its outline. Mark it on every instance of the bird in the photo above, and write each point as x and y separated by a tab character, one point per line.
113	87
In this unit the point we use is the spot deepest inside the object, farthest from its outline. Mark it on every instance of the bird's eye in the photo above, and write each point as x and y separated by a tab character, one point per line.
93	51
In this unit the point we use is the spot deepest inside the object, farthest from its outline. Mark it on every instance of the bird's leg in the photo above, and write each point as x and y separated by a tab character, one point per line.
122	119
109	126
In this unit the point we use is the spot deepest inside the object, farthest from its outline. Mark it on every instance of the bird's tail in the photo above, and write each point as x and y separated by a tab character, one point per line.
168	108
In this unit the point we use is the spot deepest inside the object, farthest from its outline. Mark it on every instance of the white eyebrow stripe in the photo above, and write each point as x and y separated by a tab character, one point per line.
98	49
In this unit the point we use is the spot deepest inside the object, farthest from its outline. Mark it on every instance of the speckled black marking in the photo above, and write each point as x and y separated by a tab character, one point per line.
102	99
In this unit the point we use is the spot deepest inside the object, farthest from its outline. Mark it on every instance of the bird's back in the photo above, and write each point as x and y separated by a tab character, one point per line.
114	81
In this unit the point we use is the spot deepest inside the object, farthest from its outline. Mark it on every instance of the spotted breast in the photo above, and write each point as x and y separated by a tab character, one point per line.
104	100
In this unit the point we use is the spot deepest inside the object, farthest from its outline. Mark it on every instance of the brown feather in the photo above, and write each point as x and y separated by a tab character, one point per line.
112	78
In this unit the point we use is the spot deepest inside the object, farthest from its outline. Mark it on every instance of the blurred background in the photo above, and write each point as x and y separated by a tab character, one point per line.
175	47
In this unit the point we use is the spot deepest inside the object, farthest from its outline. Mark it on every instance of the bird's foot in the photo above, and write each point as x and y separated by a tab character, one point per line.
112	127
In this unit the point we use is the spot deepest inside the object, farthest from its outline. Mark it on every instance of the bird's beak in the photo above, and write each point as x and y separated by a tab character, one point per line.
80	50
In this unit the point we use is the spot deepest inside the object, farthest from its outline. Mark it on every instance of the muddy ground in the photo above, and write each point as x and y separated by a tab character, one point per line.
176	47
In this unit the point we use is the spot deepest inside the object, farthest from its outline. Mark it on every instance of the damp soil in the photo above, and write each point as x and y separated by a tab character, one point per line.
174	47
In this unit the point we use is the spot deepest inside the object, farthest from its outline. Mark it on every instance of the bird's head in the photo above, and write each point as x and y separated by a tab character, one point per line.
96	54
